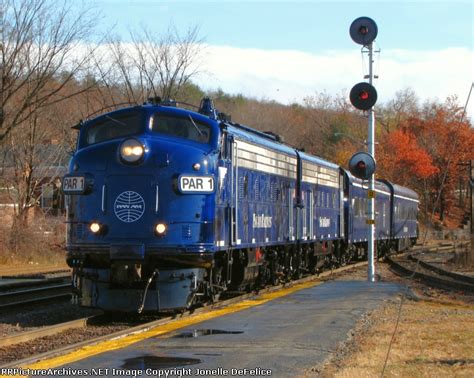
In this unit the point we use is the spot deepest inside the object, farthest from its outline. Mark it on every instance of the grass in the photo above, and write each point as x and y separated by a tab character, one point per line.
433	340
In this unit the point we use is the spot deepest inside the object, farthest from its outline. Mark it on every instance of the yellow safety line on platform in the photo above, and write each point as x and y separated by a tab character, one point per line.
119	343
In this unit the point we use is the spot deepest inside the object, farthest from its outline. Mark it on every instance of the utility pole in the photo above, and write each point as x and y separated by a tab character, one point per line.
471	184
371	195
363	31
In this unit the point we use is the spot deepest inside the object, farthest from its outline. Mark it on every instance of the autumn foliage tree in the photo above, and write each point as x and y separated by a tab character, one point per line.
425	151
403	158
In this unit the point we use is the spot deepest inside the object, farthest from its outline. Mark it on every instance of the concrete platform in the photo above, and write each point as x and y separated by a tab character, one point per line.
282	337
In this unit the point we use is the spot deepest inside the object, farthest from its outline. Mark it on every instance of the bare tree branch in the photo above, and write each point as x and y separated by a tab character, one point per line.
154	65
39	41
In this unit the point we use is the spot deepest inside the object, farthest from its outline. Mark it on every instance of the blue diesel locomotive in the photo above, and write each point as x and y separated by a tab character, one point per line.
168	208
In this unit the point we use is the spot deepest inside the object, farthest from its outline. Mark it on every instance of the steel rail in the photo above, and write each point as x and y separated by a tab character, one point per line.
26	271
52	330
43	293
17	282
441	271
442	278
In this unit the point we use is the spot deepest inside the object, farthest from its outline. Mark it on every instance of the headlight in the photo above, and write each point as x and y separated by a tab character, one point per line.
160	229
131	151
95	227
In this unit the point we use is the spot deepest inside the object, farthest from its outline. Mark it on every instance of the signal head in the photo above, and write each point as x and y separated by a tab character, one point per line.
363	30
362	165
363	96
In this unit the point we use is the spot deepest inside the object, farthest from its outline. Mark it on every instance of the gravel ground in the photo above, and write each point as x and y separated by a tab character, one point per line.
49	343
57	313
31	317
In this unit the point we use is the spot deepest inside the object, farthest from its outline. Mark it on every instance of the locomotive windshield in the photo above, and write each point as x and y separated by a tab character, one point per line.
181	127
114	126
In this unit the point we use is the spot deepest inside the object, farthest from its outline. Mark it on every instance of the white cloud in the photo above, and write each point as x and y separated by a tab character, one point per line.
289	76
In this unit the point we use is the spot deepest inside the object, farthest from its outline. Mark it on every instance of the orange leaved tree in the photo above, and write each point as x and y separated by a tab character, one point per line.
425	151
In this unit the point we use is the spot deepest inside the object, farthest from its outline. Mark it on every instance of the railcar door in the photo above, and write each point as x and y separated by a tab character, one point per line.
341	205
226	198
308	214
292	220
235	195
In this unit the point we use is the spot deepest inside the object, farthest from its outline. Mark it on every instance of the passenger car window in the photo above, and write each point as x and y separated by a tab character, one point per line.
113	126
181	127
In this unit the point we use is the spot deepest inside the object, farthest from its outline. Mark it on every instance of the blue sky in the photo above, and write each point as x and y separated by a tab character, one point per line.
303	25
426	45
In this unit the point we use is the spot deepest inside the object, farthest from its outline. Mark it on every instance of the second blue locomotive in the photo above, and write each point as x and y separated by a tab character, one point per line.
168	208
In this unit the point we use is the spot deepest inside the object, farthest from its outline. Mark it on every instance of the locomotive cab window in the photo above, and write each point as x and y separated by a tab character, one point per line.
114	126
181	127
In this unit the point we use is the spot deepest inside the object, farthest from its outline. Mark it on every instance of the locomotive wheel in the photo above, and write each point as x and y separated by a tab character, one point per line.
343	260
275	267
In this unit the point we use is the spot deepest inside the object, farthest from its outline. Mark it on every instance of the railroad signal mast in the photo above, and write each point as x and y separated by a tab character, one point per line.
363	96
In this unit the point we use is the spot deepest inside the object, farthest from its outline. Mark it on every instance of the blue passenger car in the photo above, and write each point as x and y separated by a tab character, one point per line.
404	210
382	215
355	196
261	182
356	207
321	209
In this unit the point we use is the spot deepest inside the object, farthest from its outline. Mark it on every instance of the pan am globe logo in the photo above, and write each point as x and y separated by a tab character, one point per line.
129	206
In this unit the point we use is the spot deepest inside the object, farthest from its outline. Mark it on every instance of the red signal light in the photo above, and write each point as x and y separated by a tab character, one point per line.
361	165
364	95
363	30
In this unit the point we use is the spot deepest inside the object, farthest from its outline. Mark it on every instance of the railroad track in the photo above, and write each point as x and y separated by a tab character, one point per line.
52	330
31	336
440	247
422	265
20	292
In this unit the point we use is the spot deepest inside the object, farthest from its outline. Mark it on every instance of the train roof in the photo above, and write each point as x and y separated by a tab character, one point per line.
351	178
401	191
151	107
381	186
318	160
259	138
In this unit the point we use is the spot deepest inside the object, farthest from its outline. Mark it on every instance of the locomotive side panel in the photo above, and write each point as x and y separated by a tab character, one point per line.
320	180
264	195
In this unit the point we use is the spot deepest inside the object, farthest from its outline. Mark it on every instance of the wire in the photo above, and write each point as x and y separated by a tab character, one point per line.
397	323
438	198
467	102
